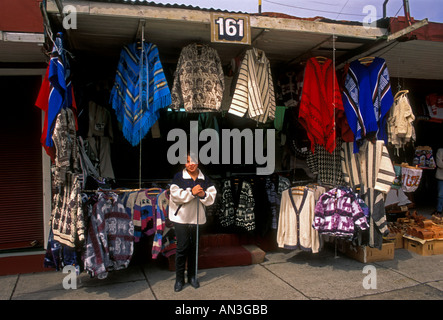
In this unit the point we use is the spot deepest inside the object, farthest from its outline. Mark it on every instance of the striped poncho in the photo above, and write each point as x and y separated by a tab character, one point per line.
371	171
254	90
140	90
367	98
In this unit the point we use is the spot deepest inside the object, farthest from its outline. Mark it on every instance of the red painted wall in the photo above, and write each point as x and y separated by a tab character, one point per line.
21	16
431	32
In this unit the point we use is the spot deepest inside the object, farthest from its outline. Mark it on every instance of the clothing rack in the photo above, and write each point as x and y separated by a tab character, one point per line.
119	190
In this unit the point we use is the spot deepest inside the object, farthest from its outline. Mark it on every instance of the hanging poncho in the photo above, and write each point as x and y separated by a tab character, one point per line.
55	93
320	104
367	98
140	90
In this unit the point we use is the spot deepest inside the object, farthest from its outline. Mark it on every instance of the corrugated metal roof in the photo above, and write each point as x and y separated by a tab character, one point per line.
168	5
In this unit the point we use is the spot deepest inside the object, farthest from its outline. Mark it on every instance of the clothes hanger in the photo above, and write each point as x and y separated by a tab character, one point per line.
366	60
153	191
321	59
298	190
401	92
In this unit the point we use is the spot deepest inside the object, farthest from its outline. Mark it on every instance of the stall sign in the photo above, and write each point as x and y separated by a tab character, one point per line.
230	28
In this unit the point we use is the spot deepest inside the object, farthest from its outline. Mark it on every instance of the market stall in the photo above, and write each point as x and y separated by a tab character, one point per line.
336	130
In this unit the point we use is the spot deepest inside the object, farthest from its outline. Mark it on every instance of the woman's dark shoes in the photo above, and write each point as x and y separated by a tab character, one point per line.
178	286
194	282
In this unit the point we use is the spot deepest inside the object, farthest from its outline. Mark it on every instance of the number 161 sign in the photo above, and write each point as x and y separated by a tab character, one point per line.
230	28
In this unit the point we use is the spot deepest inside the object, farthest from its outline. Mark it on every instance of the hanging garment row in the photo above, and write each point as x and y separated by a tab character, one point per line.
251	204
309	212
56	93
322	110
296	215
99	230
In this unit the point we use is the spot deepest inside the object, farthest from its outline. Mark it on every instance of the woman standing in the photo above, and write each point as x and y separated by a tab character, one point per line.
190	188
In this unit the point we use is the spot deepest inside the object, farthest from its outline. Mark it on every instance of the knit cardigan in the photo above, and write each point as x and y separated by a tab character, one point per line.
237	208
295	222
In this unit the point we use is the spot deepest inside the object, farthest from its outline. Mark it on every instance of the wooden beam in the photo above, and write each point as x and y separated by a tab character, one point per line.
203	16
407	30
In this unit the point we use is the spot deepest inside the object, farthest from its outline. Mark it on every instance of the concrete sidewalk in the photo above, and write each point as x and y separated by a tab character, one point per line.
285	275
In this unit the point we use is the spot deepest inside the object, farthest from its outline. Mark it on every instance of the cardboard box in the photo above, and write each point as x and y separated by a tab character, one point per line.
422	247
397	238
367	254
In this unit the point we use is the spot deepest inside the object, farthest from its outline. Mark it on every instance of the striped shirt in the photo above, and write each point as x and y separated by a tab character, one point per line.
254	90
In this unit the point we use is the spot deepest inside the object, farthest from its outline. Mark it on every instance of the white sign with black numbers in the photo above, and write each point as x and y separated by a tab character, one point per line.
230	28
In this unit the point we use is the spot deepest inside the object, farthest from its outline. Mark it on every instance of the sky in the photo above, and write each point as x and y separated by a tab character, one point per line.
351	10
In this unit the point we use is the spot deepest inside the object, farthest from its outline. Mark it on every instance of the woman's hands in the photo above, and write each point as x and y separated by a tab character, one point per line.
198	191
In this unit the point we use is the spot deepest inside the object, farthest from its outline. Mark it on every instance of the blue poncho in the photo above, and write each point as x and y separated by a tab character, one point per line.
59	76
140	90
367	98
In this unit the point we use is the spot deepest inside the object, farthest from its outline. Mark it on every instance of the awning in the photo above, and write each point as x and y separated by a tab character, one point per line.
103	27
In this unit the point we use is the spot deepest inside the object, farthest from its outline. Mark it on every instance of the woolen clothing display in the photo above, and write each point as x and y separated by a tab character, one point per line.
367	98
254	90
140	90
321	104
338	213
110	241
237	205
295	222
164	239
42	103
400	123
100	137
370	171
325	165
274	193
66	147
67	218
144	214
198	80
61	91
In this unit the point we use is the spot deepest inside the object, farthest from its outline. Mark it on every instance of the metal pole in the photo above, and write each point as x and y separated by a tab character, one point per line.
196	244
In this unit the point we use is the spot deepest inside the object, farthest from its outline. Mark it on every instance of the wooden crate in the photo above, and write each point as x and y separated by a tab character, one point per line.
423	248
367	254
